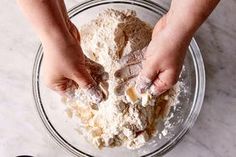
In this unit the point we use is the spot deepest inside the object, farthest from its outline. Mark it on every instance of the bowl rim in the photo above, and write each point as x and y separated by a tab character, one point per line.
199	89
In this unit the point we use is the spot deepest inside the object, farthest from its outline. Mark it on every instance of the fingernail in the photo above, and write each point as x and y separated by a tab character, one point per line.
142	84
94	94
105	76
144	49
153	90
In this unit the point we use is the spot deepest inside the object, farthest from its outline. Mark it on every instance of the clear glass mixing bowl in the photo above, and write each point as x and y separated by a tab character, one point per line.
62	129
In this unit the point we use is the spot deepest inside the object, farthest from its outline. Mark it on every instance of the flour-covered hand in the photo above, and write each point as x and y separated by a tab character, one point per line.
163	59
157	66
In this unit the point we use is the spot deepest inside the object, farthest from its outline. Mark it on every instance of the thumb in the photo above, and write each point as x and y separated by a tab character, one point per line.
164	81
82	77
146	76
87	83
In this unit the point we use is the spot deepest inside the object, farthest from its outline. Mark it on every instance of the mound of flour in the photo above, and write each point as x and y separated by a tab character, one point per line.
117	122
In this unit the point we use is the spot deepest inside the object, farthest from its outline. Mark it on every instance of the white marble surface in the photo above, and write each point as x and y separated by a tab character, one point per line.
21	132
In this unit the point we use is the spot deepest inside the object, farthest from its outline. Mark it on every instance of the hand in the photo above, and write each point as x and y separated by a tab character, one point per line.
158	66
130	68
65	67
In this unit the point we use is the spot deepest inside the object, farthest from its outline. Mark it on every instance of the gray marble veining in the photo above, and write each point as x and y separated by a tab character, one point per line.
213	135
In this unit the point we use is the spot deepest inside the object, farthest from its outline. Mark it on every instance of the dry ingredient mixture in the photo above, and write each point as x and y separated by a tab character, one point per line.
129	119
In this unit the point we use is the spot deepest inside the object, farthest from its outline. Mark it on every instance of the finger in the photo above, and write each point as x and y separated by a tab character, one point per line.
120	88
58	86
98	74
128	71
142	83
147	75
164	81
105	76
133	57
100	77
70	89
95	69
92	64
86	82
94	93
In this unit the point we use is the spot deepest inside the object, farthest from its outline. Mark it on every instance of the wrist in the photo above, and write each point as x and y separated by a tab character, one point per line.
173	28
57	38
173	32
182	29
187	16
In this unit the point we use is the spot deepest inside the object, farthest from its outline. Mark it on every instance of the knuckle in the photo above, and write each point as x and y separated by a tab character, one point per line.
78	73
82	78
171	79
55	85
163	85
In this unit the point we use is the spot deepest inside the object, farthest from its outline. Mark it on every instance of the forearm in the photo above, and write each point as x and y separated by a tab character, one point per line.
186	16
48	18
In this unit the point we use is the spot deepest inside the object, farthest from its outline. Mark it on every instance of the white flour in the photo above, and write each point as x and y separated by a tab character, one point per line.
116	121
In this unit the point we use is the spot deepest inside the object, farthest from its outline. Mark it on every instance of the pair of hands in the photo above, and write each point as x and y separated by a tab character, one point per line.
65	65
158	66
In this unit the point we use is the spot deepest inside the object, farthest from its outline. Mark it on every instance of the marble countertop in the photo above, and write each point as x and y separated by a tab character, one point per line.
213	135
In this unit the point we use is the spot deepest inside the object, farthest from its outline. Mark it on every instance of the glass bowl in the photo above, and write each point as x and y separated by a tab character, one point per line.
62	129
